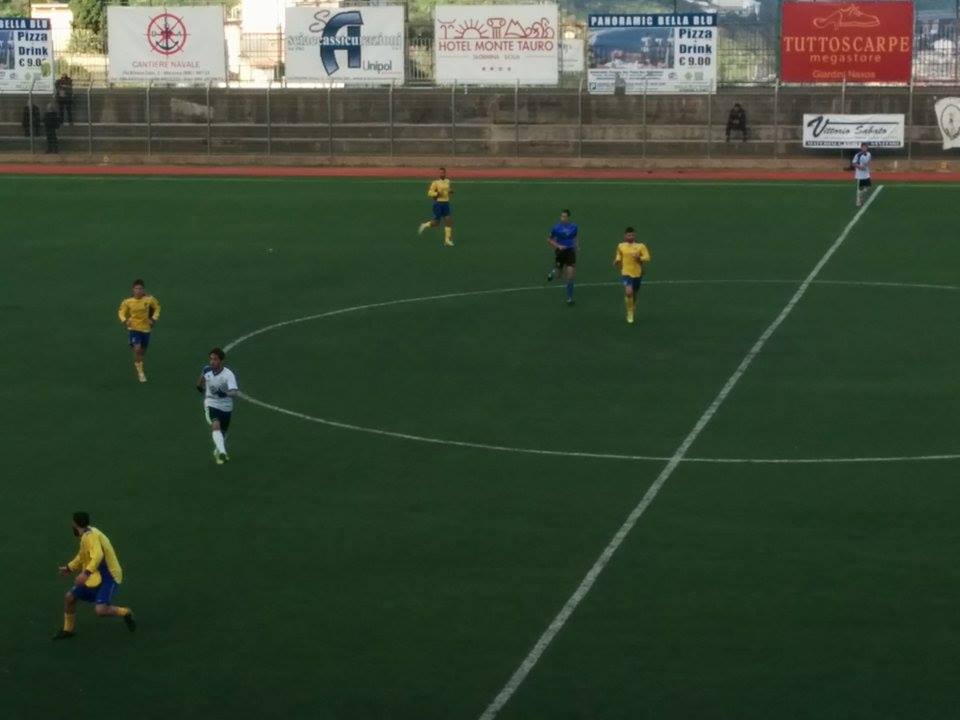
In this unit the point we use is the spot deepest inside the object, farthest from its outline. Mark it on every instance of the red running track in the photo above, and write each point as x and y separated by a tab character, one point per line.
461	173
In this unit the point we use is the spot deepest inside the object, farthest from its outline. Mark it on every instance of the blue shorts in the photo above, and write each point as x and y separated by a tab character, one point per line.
102	594
222	415
633	282
139	338
441	210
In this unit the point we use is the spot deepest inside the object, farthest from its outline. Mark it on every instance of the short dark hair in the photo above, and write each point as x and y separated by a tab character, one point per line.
82	519
219	353
565	211
629	230
139	281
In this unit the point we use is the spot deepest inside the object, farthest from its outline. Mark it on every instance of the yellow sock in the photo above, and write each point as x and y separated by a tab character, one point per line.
69	622
138	366
448	234
628	302
122	611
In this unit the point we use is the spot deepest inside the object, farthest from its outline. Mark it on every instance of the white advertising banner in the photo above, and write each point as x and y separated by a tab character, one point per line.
26	55
948	118
345	44
496	44
571	55
166	44
652	53
848	131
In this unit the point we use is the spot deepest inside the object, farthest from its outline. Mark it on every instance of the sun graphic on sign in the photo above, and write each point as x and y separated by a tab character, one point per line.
471	28
167	34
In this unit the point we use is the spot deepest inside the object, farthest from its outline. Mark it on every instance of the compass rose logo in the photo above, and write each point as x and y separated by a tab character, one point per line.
167	34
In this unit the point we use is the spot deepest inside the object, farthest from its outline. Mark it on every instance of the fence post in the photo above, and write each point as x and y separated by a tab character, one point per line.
390	114
909	128
209	122
516	118
843	102
330	121
30	114
453	118
269	121
643	131
149	125
580	119
710	126
776	118
89	117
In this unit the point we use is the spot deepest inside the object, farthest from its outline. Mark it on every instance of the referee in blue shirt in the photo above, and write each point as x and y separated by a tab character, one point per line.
563	239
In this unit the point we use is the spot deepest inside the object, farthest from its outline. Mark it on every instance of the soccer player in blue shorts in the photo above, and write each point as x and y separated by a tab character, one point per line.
219	386
563	238
139	313
440	192
98	578
630	258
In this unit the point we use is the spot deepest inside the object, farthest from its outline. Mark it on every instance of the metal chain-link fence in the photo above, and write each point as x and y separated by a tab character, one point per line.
516	122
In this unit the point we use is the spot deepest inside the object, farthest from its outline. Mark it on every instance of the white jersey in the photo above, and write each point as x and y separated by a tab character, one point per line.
220	382
861	165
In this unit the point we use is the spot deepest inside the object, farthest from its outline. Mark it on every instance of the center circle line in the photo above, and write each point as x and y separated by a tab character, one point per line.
572	453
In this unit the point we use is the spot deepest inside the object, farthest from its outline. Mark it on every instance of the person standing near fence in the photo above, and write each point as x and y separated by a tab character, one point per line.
64	87
51	122
31	116
737	120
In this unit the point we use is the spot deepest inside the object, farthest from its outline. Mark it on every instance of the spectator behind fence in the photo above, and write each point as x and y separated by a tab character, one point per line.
737	120
51	121
37	120
65	97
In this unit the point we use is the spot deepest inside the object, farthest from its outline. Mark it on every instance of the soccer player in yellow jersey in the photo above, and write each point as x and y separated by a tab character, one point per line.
440	191
98	578
630	258
139	313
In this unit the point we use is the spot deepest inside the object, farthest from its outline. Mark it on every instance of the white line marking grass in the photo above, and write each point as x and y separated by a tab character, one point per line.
575	453
591	577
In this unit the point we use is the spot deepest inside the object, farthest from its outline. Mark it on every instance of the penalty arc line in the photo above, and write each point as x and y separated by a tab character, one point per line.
544	641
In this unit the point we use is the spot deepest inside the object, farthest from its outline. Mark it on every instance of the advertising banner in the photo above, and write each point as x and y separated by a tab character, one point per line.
948	118
571	55
166	44
848	131
827	42
345	44
496	44
26	55
655	53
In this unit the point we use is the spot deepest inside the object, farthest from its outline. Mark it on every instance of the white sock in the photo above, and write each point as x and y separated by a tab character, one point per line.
219	442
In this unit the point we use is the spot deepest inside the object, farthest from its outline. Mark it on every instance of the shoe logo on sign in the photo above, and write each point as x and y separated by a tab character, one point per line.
847	17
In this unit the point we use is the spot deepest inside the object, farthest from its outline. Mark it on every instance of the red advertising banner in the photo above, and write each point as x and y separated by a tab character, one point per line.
827	42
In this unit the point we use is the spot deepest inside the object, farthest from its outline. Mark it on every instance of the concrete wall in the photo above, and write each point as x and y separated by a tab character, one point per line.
480	123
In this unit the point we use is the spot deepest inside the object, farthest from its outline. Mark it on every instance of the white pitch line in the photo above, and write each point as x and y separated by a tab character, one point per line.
575	453
591	577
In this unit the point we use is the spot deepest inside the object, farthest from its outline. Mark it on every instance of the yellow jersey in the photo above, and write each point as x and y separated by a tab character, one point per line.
631	257
96	551
137	312
440	190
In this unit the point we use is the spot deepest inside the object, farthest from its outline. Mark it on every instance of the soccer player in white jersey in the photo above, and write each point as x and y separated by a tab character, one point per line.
219	386
861	172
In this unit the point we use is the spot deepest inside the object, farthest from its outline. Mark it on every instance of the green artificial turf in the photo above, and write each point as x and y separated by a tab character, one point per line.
333	573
